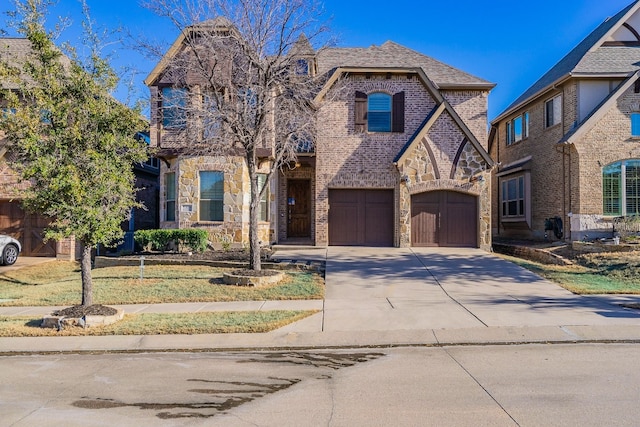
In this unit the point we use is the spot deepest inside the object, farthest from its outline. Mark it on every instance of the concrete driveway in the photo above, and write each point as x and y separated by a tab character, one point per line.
382	289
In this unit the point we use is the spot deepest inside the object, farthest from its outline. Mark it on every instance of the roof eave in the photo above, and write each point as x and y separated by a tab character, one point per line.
532	98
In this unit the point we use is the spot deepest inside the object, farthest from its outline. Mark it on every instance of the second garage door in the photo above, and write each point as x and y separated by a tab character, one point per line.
361	217
444	218
26	228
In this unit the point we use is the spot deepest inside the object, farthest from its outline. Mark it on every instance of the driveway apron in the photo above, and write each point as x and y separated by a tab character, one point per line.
436	288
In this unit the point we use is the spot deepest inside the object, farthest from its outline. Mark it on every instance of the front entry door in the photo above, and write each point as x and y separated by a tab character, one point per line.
299	208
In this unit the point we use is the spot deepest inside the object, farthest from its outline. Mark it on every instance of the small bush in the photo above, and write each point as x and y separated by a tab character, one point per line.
160	240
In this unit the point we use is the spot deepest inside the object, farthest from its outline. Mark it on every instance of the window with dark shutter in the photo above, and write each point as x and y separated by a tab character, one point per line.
398	112
361	112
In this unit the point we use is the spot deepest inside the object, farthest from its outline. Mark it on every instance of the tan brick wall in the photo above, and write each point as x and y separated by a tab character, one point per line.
547	183
471	106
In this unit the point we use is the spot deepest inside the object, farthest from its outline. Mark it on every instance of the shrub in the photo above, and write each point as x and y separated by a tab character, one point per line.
161	240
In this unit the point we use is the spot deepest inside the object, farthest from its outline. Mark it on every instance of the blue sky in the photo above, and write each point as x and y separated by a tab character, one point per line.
508	43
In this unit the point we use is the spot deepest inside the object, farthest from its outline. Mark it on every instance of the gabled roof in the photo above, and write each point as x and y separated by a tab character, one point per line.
430	120
592	119
219	23
589	58
393	55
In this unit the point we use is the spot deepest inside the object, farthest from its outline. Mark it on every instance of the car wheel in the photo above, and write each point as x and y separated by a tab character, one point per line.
10	254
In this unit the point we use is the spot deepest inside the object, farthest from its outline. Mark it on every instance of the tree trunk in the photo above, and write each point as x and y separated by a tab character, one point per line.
254	205
87	282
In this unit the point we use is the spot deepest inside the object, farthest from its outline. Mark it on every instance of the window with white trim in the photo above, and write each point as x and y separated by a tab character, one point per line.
518	129
553	111
635	125
621	188
211	196
512	197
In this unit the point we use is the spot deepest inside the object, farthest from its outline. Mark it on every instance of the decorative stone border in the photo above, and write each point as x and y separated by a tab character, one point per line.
60	322
238	279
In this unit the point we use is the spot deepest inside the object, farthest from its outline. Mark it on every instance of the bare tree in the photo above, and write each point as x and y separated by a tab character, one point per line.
246	66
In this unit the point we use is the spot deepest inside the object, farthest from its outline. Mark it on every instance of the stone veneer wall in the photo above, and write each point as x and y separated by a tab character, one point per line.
235	224
470	165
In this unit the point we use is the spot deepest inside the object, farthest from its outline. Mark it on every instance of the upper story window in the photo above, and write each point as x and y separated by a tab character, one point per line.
211	196
553	111
379	112
302	67
621	188
517	129
174	108
635	125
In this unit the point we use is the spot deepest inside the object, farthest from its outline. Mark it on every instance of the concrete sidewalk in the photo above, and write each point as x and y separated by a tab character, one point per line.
390	297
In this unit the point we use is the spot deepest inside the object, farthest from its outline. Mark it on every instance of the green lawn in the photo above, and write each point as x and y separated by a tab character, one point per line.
601	273
154	324
58	283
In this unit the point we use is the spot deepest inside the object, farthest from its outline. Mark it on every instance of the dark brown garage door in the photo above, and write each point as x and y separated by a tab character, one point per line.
361	217
444	218
26	228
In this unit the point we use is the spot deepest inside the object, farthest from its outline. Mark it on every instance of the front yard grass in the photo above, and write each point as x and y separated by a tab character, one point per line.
597	273
159	324
58	283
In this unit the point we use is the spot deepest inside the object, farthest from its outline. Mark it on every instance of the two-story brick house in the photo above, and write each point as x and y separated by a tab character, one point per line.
568	149
399	159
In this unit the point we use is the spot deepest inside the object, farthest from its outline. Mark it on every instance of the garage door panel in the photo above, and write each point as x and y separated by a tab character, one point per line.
361	217
27	228
444	218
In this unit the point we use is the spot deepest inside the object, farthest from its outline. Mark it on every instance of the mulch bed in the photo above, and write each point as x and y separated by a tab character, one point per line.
81	310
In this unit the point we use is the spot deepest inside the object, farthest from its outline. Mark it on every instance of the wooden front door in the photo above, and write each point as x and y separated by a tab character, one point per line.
299	208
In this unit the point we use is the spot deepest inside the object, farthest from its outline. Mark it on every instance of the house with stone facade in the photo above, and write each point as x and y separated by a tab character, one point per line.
568	149
399	159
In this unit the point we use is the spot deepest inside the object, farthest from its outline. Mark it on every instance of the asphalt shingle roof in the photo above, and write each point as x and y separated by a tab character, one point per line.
13	51
393	55
580	60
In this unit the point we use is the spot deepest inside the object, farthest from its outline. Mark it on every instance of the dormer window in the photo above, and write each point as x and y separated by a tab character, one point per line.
302	67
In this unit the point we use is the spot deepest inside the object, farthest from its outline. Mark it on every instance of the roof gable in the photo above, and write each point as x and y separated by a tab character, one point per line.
605	50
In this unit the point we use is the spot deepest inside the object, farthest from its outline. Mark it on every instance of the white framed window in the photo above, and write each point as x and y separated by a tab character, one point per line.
553	111
621	188
211	196
512	197
635	125
170	199
518	129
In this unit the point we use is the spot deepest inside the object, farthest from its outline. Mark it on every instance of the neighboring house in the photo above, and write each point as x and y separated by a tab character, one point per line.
568	149
399	160
28	227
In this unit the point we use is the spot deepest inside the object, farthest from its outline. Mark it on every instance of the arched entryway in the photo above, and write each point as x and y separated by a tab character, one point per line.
444	218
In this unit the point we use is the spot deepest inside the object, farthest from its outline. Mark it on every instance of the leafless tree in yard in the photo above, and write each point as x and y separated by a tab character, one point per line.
250	88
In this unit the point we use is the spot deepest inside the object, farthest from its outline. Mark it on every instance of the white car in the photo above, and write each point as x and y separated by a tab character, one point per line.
9	250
